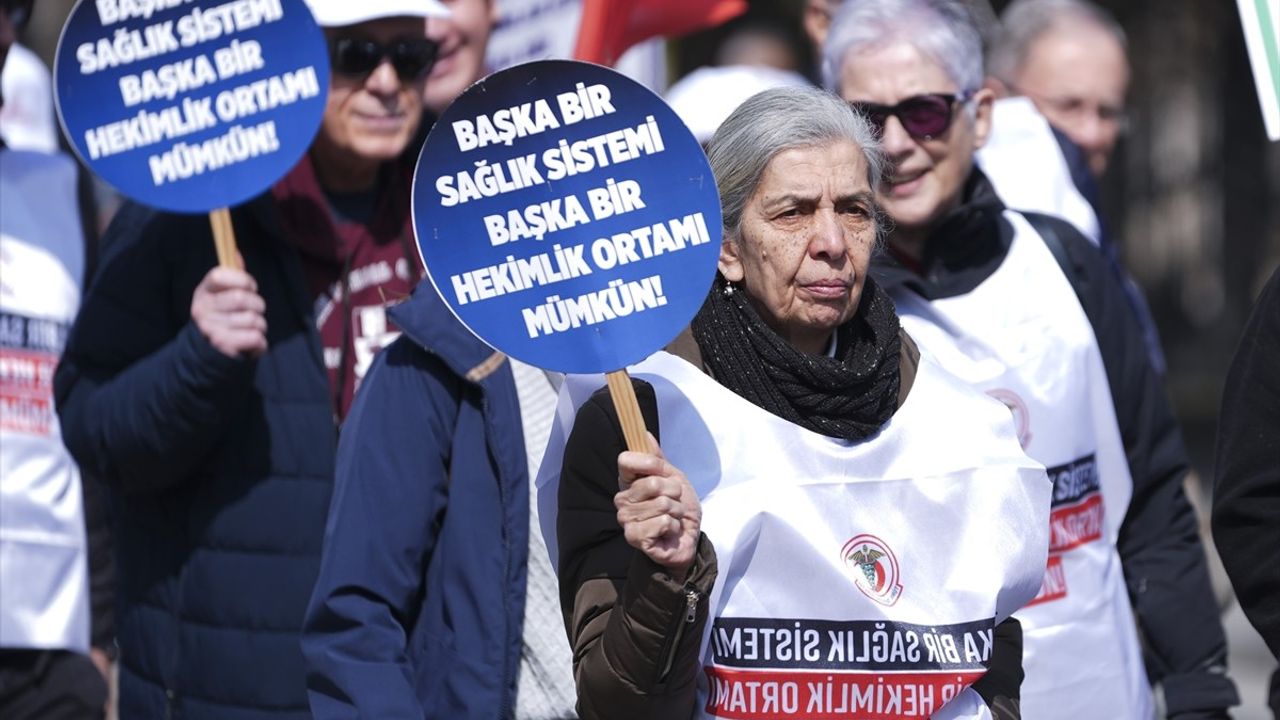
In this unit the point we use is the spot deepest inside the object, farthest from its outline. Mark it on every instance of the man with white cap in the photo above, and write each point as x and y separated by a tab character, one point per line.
433	599
210	399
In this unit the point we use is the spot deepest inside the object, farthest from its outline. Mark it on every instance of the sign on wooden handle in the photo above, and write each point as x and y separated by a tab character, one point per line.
189	107
569	219
224	238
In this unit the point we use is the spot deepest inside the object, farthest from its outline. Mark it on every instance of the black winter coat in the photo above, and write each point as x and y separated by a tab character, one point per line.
1246	501
220	469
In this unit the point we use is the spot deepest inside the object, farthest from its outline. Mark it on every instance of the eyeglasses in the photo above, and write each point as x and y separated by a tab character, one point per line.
1079	110
355	56
924	117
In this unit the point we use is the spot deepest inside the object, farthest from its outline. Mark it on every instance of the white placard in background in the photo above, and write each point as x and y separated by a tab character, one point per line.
1261	21
530	30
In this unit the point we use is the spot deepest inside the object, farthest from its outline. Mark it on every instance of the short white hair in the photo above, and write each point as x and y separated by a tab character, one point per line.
1025	21
943	30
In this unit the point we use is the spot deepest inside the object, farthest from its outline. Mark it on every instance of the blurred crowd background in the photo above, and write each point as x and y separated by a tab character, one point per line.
1192	195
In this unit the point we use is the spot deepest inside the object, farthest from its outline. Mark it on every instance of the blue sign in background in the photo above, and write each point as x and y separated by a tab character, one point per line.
675	184
94	104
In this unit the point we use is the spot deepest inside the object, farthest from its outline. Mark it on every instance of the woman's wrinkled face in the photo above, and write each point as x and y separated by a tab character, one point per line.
805	241
925	176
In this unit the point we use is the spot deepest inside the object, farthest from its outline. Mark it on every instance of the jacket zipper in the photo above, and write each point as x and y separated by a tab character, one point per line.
508	702
691	597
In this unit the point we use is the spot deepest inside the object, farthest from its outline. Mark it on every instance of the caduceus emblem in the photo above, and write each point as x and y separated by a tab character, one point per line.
878	565
866	558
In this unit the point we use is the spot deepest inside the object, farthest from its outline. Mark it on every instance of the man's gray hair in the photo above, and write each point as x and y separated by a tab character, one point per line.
1024	21
943	30
775	121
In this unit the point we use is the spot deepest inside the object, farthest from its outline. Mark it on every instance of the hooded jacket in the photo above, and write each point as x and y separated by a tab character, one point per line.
419	605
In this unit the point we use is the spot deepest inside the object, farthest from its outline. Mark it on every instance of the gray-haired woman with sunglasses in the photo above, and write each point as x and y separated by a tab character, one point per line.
1029	311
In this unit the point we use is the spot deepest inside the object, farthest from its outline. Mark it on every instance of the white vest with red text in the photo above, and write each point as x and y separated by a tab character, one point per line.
855	579
1023	338
44	590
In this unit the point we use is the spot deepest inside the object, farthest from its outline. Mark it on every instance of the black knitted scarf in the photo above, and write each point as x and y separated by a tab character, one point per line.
849	396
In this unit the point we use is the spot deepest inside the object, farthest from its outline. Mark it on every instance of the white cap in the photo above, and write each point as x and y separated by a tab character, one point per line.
706	96
340	13
26	118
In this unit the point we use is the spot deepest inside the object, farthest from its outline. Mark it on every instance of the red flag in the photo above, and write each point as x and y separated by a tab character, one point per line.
610	27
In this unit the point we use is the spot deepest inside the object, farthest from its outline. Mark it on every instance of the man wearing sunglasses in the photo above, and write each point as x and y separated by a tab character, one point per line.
358	600
443	685
1039	321
420	602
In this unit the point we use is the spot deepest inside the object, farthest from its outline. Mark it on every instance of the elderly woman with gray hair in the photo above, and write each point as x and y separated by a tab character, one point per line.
813	537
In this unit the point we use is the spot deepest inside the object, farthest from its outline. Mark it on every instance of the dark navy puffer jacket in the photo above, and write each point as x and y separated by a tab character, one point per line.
220	468
418	609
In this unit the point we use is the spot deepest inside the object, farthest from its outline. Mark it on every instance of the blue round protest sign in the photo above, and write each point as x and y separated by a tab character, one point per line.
567	216
191	106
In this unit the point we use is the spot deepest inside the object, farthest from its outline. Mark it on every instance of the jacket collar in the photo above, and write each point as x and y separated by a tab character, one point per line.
970	243
425	319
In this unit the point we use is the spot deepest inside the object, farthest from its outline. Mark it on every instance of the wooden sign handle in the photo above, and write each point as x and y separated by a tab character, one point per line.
224	238
624	401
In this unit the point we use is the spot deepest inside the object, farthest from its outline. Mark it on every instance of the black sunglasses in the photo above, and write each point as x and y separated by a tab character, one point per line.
355	56
924	117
